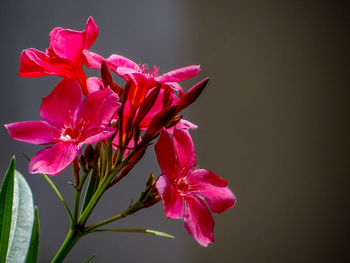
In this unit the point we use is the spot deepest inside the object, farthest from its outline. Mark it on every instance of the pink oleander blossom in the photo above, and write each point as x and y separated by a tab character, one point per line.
188	192
67	123
64	57
141	74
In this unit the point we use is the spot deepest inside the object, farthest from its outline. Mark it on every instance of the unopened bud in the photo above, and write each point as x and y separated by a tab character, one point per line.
123	94
150	179
152	201
166	96
136	134
89	155
159	121
106	75
191	95
83	162
147	104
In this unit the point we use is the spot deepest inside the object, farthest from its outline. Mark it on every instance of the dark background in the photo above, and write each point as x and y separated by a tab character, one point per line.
274	121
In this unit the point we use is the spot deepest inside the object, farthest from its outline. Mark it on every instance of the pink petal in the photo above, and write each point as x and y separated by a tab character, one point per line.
184	125
212	189
92	60
69	44
122	71
59	107
166	156
36	132
81	77
96	135
114	62
34	63
184	147
98	109
91	32
53	34
139	89
53	159
118	61
28	67
94	84
173	204
198	221
180	74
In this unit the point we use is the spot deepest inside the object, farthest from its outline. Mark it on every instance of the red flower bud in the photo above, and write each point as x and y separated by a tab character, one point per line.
166	97
106	75
158	121
191	95
147	105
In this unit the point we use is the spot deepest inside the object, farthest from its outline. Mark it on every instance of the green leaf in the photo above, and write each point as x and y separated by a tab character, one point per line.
158	233
34	240
6	198
21	220
135	230
90	258
16	217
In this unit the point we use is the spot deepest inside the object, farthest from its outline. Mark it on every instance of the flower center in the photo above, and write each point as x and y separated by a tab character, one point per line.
183	185
147	72
70	134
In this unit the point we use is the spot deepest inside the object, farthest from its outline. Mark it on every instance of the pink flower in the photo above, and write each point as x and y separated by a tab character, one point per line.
67	123
64	57
188	192
141	74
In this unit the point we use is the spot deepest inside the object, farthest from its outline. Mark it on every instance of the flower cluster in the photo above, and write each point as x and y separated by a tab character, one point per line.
118	123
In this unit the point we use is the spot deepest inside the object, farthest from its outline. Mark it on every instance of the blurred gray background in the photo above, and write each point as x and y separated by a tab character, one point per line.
274	121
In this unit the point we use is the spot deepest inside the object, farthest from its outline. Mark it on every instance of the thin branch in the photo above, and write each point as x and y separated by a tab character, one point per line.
135	230
59	195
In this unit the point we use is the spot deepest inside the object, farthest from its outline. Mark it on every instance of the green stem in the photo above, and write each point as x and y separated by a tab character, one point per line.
82	181
76	205
102	188
91	188
77	196
59	195
104	161
132	209
72	238
97	195
109	153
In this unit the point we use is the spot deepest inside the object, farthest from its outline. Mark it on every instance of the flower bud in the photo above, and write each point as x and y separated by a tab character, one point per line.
166	97
89	155
158	121
147	104
191	95
150	179
124	92
106	75
136	134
